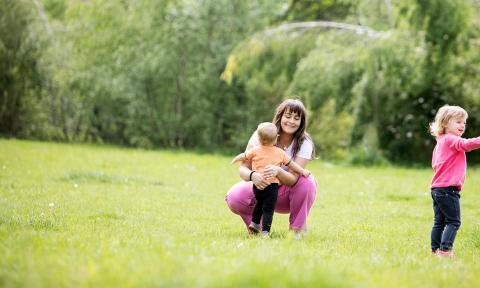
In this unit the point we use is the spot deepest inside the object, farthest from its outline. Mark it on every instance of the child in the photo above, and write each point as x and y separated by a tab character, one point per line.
450	165
261	156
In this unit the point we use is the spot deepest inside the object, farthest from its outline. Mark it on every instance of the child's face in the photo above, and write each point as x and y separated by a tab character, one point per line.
456	126
290	122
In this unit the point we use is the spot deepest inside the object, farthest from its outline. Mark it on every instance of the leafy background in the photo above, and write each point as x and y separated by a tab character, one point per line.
201	74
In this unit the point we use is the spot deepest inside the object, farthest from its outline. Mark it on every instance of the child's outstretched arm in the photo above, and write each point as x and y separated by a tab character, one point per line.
298	169
239	158
462	144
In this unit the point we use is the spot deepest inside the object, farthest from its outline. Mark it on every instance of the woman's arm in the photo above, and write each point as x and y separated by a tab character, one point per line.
286	177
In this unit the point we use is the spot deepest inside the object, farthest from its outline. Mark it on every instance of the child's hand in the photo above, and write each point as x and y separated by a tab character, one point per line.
271	171
306	173
239	158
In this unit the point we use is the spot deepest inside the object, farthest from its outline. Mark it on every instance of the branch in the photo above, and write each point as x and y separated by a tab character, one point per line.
44	18
304	26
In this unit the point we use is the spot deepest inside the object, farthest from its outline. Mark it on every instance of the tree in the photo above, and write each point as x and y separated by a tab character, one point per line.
20	76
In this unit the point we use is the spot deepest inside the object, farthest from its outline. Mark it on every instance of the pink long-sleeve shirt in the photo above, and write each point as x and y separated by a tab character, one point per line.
449	161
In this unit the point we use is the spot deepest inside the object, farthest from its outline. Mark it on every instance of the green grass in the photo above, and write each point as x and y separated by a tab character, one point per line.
135	218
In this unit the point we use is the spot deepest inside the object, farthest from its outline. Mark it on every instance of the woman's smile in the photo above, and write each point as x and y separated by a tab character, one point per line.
290	122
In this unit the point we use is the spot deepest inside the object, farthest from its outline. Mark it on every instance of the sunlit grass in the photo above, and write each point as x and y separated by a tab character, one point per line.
80	215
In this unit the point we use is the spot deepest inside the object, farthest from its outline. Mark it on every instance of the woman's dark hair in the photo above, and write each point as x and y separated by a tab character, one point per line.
294	106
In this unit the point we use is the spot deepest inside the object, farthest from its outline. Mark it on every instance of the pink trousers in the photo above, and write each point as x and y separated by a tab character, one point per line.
296	200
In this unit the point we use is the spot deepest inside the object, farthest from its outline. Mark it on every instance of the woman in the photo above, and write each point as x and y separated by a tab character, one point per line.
296	194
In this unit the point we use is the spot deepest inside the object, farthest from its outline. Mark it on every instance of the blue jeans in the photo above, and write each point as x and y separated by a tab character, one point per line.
446	209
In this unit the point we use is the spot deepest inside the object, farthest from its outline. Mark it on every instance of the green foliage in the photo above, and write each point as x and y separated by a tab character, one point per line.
368	151
331	130
377	14
20	74
55	8
202	74
305	10
147	73
391	84
261	69
444	22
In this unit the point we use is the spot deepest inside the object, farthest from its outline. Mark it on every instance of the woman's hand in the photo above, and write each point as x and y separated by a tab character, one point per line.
259	180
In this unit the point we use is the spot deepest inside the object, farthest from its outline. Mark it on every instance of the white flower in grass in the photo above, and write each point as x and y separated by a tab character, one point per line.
240	245
51	205
75	185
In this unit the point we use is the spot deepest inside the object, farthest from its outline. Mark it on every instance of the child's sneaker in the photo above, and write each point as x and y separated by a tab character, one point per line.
434	252
253	228
265	234
448	254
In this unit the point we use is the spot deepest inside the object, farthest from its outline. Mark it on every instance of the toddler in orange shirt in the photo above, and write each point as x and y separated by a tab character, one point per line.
261	156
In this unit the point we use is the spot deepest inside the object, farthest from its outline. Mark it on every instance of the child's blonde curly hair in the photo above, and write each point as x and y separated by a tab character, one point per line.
444	114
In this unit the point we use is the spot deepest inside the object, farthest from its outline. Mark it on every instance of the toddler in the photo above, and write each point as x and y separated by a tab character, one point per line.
449	165
261	156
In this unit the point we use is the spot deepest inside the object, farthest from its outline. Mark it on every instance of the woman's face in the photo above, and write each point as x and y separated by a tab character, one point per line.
290	122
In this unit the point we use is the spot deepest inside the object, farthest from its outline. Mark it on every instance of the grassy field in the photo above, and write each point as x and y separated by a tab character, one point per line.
90	216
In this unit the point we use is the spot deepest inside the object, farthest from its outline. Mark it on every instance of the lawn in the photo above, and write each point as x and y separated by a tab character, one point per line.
101	216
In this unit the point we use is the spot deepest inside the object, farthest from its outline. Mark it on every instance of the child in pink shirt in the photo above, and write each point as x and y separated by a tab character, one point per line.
450	166
261	156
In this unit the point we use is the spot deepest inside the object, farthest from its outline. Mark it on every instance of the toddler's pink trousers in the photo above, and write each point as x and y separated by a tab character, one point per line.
296	200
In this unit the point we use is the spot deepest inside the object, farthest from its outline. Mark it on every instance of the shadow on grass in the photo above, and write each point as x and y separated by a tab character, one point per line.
403	198
38	223
101	177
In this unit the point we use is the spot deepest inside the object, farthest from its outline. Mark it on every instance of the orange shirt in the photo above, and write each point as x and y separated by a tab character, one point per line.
263	155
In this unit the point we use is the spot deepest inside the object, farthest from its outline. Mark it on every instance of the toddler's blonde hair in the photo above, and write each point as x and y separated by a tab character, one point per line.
444	114
267	133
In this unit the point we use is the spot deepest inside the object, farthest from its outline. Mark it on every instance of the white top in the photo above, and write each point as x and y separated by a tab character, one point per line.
305	151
